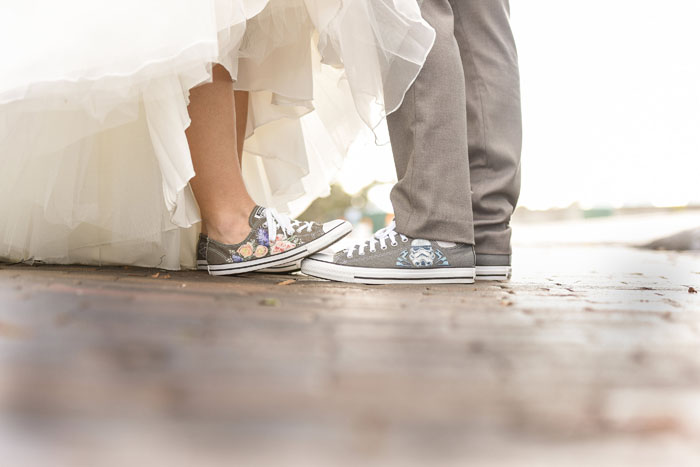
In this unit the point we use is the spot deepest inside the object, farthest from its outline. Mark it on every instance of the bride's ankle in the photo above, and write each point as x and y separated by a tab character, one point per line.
231	229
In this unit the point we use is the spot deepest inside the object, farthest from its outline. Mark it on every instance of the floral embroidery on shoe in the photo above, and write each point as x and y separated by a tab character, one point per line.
281	246
260	251
245	250
263	237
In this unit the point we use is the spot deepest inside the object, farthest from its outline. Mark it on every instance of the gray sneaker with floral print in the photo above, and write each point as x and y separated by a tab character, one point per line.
274	240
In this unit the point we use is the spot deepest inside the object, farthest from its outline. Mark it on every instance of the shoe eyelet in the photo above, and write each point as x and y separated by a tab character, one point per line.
404	240
384	247
372	251
394	243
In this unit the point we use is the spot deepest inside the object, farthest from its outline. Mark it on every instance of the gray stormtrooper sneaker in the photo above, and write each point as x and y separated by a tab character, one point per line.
274	240
392	258
489	267
493	267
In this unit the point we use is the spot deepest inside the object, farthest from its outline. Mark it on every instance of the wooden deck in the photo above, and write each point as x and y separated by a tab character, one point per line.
589	356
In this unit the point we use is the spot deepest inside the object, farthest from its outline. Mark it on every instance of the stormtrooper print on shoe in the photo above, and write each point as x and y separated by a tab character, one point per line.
274	240
392	258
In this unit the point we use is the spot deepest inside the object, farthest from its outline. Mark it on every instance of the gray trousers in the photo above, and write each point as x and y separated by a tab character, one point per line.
458	134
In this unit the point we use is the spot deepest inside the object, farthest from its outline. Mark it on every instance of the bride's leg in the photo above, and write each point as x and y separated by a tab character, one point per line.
239	237
218	185
241	121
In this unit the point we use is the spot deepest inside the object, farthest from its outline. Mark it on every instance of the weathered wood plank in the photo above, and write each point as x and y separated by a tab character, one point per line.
593	367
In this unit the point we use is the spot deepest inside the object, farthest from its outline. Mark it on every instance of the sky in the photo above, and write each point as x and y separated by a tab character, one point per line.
611	105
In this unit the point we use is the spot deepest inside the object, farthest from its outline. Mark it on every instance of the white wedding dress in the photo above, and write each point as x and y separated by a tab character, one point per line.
94	163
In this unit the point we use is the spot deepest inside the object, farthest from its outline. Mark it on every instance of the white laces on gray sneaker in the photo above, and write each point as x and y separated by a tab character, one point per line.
286	225
380	237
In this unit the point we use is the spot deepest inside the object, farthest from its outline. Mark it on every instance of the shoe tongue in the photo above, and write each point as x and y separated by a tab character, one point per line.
256	214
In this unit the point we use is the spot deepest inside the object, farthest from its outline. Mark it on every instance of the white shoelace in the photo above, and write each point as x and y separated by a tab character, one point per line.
275	220
380	237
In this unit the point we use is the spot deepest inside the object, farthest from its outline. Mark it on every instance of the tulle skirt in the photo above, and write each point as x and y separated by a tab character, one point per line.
94	163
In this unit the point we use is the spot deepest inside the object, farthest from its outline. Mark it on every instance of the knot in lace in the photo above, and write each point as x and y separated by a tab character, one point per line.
380	237
275	220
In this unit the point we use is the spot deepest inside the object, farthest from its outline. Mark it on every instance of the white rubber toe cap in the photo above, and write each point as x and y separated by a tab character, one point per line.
323	256
328	226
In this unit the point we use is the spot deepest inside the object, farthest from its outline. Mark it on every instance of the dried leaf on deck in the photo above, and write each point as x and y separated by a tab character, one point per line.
12	331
